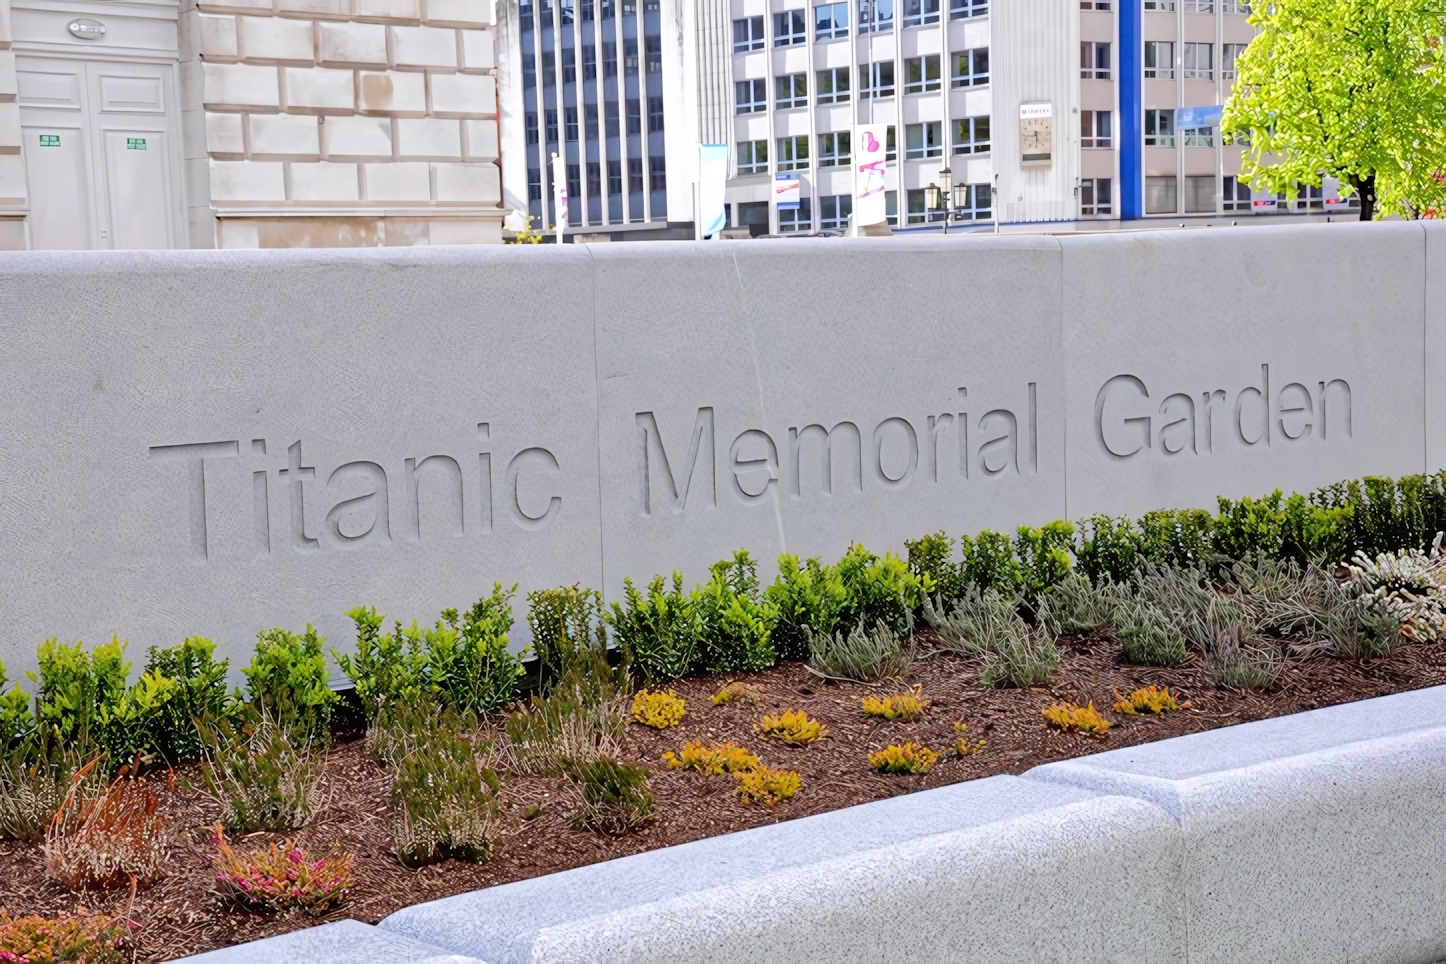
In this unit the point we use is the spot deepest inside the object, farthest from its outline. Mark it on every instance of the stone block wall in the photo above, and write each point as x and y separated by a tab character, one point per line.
347	122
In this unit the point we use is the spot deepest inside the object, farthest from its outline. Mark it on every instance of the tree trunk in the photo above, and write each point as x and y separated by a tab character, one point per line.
1365	187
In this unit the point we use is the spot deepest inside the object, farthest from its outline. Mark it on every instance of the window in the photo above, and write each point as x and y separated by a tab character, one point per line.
833	85
657	173
551	118
923	140
1199	136
753	215
891	149
574	181
1200	194
589	62
610	112
534	184
1160	195
891	207
1159	4
971	135
833	149
747	34
610	60
530	123
529	70
655	53
1199	6
1094	60
635	116
524	10
590	118
1308	198
830	21
919	210
615	177
752	157
918	12
1198	61
789	27
964	9
796	219
1160	128
834	211
586	9
792	91
1236	196
564	8
549	67
876	79
793	153
655	114
594	178
630	55
921	74
1096	197
876	16
635	174
1228	55
609	9
570	119
1094	4
972	202
971	67
569	66
1235	6
752	96
1160	59
1094	129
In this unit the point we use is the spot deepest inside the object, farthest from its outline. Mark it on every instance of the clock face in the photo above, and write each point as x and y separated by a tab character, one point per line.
1036	139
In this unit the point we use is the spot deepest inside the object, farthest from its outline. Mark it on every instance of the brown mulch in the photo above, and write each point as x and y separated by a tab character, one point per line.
179	916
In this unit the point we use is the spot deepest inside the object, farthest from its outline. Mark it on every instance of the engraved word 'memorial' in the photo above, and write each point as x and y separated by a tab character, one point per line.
359	499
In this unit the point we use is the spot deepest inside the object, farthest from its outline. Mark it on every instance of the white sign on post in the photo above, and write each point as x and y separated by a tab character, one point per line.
559	193
869	180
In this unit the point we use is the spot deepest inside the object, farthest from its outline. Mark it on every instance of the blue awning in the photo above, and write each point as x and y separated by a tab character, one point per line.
1191	118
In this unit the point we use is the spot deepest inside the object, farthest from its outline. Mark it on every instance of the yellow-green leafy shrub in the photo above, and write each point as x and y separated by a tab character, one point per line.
964	745
899	706
909	758
1067	716
766	785
659	709
711	760
793	727
1149	699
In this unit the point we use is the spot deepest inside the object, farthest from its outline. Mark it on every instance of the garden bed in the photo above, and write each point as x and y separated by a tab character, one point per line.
179	915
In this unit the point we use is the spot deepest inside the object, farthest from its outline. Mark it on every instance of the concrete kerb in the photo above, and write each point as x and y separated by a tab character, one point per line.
342	942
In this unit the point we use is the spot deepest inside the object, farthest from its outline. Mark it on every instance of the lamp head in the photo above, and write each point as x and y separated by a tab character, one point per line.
947	176
931	195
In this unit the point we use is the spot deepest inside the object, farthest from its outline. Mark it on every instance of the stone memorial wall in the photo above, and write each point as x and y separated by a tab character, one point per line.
214	442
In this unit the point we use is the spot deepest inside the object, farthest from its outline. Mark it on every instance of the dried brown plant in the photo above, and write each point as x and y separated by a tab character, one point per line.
107	839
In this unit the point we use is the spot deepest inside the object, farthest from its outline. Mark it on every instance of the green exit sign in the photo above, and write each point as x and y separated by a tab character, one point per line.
49	140
135	143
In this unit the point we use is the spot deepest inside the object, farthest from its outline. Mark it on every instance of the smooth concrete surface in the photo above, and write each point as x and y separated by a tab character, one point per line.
1000	870
342	942
216	442
1312	837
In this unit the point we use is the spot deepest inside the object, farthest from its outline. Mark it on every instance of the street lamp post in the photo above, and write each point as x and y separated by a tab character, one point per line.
942	197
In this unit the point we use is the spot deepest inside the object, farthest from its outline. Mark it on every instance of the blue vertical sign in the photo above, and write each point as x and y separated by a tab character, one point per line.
1132	111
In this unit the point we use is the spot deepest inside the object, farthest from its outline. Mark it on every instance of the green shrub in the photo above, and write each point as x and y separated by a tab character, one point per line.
1043	555
932	556
880	589
736	624
1107	548
582	717
659	635
979	622
566	624
264	778
989	562
201	694
471	669
140	721
1182	538
1023	657
615	796
1077	604
809	598
1149	635
75	684
862	654
289	683
444	799
386	668
17	722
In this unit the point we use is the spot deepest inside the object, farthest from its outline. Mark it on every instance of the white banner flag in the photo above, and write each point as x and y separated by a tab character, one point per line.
870	182
559	193
786	191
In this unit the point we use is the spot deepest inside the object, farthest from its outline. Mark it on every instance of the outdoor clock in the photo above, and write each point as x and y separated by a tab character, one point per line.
1036	133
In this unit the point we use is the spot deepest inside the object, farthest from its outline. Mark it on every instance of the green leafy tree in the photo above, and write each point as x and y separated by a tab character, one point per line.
1353	89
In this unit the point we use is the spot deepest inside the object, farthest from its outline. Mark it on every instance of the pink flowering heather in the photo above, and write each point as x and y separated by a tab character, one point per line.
280	878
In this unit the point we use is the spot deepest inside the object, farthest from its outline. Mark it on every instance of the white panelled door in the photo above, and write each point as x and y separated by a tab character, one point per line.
101	153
